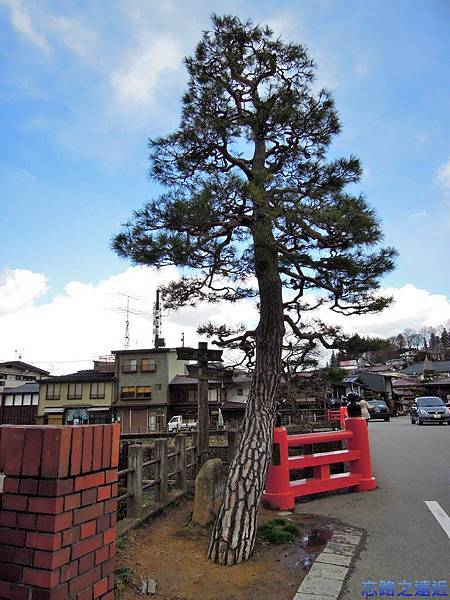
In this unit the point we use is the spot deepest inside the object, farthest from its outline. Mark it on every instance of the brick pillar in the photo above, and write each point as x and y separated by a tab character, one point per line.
58	512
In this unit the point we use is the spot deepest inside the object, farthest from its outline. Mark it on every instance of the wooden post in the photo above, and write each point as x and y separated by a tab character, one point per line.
134	480
203	409
161	451
180	446
233	440
195	443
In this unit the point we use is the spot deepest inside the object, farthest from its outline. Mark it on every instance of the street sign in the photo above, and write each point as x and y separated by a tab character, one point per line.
186	353
209	373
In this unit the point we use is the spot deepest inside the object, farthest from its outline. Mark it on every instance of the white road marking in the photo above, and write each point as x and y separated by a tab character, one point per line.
440	515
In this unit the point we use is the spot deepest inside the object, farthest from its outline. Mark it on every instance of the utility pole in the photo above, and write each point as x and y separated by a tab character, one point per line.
203	373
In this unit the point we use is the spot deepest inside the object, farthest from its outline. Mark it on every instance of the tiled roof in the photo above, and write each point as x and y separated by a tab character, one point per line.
163	350
18	364
406	383
185	380
440	366
80	376
437	382
233	406
27	388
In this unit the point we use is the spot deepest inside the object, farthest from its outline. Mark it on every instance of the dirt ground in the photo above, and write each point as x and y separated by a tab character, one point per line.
173	553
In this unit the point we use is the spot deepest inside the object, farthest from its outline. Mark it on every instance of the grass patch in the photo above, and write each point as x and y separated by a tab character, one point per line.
123	576
278	531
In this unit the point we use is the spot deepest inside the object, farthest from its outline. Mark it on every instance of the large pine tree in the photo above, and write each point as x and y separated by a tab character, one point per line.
250	197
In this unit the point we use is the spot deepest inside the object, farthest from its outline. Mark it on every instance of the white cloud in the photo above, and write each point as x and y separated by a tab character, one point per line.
23	23
19	289
68	331
443	176
418	214
412	307
87	320
135	81
75	36
283	24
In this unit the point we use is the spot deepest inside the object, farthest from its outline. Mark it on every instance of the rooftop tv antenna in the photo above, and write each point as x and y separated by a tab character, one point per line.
126	344
128	311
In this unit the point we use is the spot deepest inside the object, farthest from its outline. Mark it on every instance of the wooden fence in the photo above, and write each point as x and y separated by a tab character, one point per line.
153	473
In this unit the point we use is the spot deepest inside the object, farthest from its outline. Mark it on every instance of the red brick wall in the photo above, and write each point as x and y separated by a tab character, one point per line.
58	512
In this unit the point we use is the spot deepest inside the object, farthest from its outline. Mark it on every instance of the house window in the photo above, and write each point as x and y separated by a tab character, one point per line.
160	423
77	416
156	422
158	387
9	400
53	391
17	400
97	390
99	417
240	391
27	400
144	391
35	399
213	395
148	366
128	391
130	365
75	391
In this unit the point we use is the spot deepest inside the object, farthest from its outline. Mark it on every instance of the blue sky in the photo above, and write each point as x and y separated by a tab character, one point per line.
84	84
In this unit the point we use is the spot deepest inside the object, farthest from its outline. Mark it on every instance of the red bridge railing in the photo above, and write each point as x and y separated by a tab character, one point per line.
339	414
280	491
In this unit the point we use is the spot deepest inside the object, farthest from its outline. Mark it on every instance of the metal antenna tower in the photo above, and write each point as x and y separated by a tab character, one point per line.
127	326
128	312
158	341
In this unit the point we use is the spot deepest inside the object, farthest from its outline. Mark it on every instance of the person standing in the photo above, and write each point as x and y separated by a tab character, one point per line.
364	409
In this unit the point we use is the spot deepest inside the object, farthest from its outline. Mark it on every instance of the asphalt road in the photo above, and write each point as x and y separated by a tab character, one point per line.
404	540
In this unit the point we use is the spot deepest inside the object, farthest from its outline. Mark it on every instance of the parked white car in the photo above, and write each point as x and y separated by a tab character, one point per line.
177	423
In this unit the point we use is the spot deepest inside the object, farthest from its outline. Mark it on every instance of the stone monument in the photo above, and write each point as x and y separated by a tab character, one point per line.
209	487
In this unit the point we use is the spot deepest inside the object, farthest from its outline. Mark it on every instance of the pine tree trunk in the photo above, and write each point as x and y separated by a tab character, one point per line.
233	537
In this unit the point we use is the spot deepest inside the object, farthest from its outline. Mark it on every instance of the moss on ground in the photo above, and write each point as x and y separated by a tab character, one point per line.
278	531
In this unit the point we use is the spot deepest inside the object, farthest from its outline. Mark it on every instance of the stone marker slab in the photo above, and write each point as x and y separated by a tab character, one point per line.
209	488
328	571
345	549
334	559
326	587
339	538
302	596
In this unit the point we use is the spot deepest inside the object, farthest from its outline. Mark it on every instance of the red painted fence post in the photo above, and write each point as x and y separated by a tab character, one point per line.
343	414
360	441
277	492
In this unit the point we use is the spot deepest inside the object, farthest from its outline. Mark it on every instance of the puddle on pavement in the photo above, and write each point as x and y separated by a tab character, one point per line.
315	539
302	553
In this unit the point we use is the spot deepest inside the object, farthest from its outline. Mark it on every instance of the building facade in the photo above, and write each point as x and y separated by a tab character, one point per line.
81	398
184	398
18	405
15	373
143	378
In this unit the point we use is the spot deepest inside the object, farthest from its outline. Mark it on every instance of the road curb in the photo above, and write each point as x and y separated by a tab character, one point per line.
330	569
